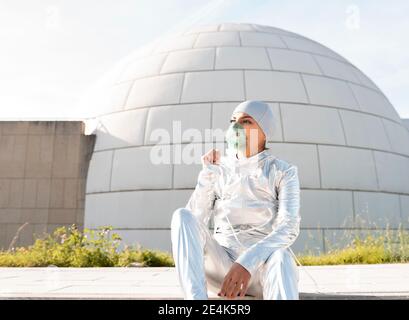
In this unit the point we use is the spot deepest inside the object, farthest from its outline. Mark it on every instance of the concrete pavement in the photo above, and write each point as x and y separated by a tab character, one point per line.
382	281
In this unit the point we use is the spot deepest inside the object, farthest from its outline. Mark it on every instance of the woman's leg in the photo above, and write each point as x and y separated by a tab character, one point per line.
198	256
279	276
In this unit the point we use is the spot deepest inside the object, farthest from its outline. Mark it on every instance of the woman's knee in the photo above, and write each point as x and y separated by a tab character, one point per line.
280	255
181	215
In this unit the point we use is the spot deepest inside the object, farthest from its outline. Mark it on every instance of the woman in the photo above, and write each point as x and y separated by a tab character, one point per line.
255	198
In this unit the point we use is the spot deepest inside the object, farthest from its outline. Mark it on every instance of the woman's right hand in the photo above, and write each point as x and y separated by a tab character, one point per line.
211	157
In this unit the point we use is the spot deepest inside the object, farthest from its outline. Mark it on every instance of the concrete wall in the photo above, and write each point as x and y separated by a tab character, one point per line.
406	122
43	169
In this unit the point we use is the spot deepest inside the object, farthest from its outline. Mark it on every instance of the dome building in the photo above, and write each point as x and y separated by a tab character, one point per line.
333	122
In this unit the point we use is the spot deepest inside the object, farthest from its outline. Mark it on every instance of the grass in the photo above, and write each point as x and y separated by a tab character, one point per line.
69	247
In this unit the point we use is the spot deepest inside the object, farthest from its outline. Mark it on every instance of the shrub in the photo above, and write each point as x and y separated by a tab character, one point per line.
386	247
68	247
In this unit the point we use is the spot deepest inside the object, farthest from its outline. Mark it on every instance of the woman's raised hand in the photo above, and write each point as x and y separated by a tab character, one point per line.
211	157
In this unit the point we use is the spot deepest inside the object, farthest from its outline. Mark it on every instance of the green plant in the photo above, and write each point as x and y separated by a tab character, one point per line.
386	246
69	247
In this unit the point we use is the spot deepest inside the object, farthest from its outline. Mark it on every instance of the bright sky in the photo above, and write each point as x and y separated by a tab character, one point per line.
52	52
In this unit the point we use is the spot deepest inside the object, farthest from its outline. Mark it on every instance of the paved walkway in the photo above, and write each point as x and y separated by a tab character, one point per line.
334	282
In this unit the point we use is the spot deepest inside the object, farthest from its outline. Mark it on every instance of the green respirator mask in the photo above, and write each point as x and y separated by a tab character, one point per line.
236	139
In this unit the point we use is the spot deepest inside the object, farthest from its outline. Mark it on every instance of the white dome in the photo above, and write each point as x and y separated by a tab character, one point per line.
348	141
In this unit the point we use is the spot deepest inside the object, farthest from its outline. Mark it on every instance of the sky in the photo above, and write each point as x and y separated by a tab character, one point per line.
52	52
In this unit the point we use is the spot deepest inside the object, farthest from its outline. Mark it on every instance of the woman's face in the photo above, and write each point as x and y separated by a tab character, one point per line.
255	137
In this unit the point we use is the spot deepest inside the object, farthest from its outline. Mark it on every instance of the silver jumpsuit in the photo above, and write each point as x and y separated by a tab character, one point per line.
255	203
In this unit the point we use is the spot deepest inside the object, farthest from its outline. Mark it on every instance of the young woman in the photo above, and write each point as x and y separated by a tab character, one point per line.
255	199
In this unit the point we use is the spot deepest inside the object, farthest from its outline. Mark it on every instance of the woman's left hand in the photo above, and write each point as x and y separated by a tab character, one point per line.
235	282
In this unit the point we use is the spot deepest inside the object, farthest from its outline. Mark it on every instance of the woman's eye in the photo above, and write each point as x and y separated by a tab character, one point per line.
232	121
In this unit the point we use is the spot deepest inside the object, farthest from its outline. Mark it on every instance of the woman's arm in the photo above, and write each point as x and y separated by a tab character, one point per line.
287	225
202	198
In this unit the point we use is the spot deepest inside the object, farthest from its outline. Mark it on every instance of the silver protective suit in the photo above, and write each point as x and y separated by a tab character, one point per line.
255	204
